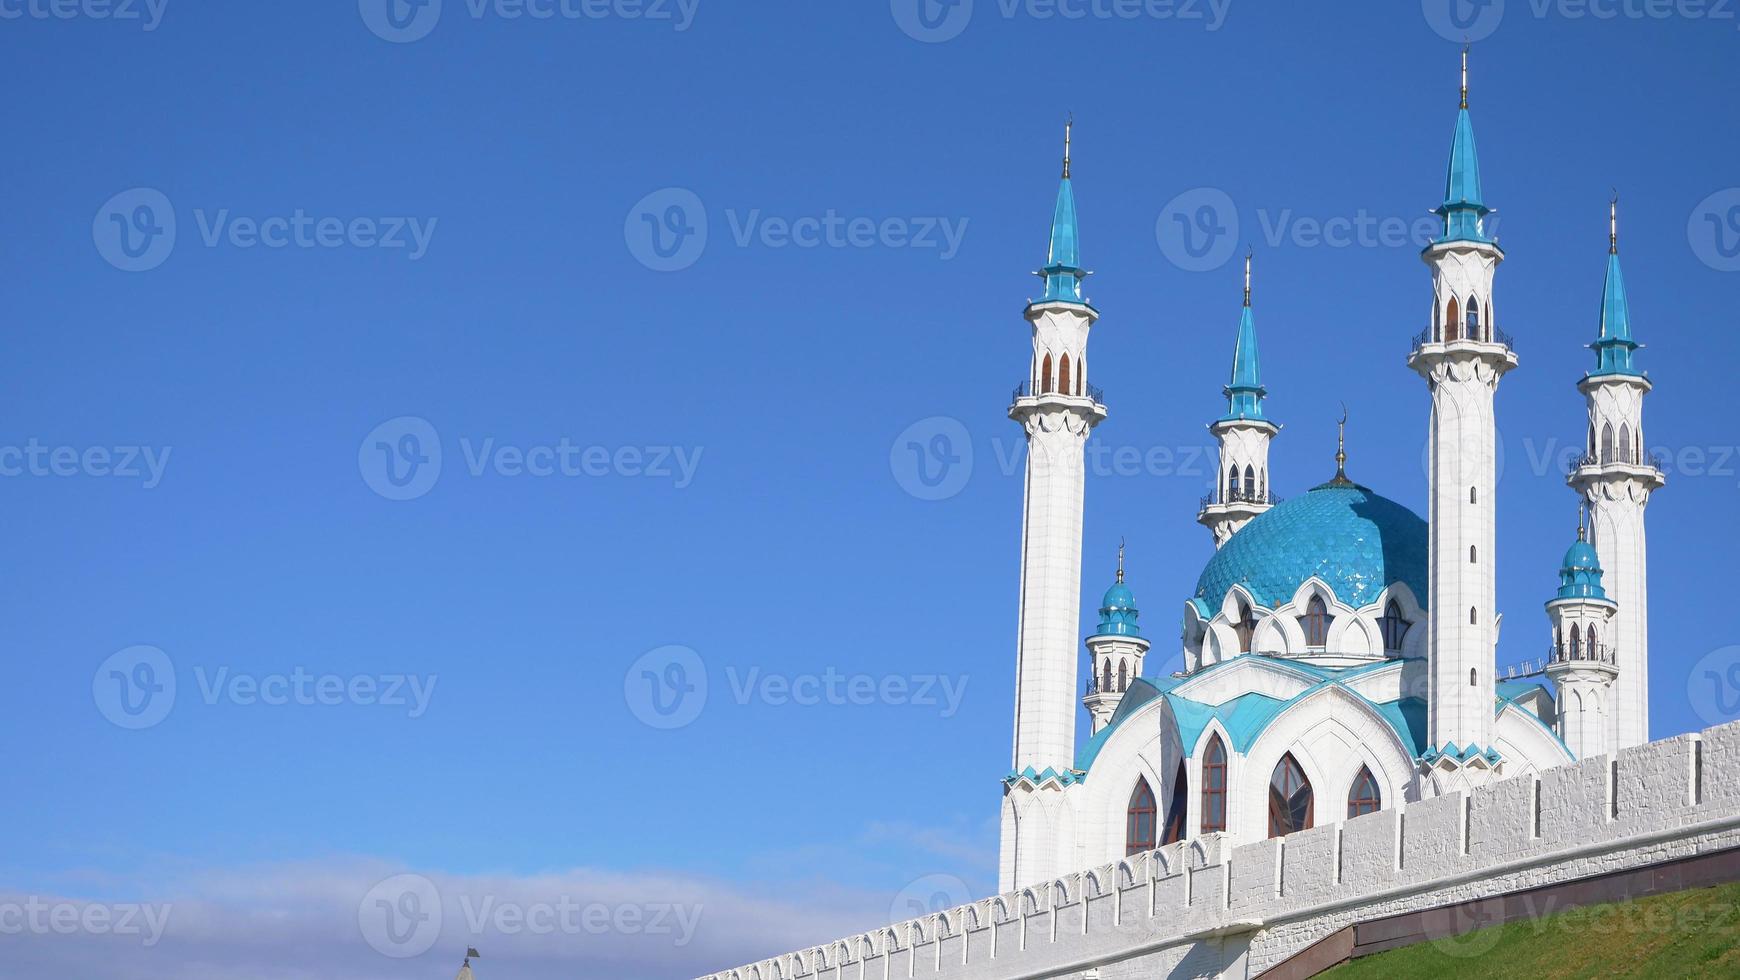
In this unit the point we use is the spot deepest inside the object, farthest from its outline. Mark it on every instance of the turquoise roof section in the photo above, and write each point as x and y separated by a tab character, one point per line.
1613	349
1463	208
1063	272
1357	542
1140	692
1118	613
1580	573
1245	392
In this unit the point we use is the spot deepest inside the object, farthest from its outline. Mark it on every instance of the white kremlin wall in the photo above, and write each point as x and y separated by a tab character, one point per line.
1195	909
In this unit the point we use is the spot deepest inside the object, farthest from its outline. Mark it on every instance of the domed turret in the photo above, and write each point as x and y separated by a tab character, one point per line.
1582	660
1115	651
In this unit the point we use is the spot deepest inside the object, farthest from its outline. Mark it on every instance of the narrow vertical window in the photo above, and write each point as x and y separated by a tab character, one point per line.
1452	322
1473	677
1576	644
1474	617
1364	796
1473	555
1245	628
1594	644
1607	443
1474	332
1175	810
1063	375
1290	804
1474	495
1123	676
1625	444
1316	622
1232	485
1214	786
1393	627
1045	377
1139	819
1106	684
1081	377
1250	483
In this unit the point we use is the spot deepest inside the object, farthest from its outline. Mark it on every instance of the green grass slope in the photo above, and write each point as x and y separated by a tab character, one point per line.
1684	934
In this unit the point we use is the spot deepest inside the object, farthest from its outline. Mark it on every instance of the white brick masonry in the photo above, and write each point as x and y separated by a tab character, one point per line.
1198	909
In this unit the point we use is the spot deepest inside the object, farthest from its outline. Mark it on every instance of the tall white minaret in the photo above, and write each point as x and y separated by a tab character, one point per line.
1462	356
1616	478
1241	490
1057	409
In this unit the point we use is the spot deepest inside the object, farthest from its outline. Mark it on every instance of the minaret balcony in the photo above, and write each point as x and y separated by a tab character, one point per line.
1650	470
1567	654
1426	338
1240	497
1026	399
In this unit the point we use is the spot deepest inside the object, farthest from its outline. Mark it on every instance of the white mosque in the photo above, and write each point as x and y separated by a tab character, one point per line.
1339	650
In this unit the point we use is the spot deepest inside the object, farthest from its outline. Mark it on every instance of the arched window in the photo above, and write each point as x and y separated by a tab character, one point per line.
1607	443
1316	622
1393	626
1473	677
1214	786
1123	676
1175	810
1364	797
1625	443
1106	684
1593	447
1452	323
1245	628
1576	644
1474	332
1594	644
1473	617
1290	808
1080	377
1139	819
1232	485
1474	495
1045	376
1250	482
1063	374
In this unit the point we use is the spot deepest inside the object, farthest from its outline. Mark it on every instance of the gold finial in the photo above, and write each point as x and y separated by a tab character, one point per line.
1613	224
1464	76
1120	561
1067	127
1247	275
1341	479
1582	531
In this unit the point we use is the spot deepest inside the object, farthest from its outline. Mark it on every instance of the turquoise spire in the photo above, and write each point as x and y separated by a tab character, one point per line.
1063	273
1118	609
1580	575
1614	347
1245	392
1463	208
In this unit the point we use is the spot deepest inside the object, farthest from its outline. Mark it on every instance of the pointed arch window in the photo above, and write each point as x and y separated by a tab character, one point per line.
1175	810
1063	374
1290	803
1625	443
1474	319
1080	376
1594	644
1364	797
1452	322
1393	626
1607	443
1123	676
1045	376
1106	684
1576	644
1214	786
1246	627
1139	819
1250	482
1232	485
1316	622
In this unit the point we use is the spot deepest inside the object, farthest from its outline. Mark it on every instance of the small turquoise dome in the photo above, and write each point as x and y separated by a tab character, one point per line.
1354	540
1118	612
1580	575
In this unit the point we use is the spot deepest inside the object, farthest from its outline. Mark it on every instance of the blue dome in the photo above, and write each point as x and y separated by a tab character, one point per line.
1351	538
1580	576
1118	613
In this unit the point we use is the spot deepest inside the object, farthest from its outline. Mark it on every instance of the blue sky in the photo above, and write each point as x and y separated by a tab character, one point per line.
435	231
